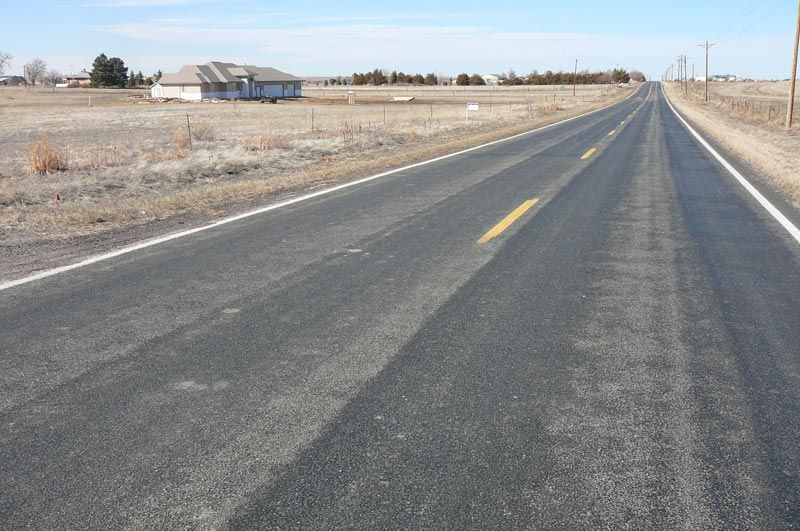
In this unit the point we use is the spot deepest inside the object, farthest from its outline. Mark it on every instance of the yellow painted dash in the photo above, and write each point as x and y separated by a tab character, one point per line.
588	154
508	220
612	133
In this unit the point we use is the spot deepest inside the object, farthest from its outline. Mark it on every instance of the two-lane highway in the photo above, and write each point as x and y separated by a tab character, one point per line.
593	325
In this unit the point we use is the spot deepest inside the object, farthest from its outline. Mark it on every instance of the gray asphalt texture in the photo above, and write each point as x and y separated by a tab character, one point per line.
626	355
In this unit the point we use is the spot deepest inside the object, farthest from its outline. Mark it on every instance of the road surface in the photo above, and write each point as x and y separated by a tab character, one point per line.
590	326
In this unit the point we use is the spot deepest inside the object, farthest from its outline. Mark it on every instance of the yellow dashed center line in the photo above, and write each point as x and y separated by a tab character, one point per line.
508	220
612	133
589	154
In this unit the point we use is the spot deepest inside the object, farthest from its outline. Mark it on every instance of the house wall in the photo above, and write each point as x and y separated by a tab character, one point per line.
224	91
79	82
165	91
278	90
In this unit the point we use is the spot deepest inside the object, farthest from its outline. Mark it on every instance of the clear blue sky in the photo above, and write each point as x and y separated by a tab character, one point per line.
316	37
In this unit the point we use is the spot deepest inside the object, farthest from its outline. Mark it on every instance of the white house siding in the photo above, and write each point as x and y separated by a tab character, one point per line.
225	91
278	90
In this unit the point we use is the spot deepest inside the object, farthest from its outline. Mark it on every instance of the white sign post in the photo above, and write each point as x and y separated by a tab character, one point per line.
471	107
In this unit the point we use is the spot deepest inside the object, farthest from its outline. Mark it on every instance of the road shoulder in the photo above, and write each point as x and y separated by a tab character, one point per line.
780	198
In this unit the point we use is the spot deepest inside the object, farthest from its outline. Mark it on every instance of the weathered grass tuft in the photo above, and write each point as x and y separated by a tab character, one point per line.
45	156
101	157
203	132
264	143
180	145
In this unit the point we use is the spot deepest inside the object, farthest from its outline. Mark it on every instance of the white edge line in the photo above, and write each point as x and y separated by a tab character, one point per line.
274	206
769	207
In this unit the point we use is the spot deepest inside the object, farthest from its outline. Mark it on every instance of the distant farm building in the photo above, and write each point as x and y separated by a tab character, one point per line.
79	79
493	79
226	81
12	80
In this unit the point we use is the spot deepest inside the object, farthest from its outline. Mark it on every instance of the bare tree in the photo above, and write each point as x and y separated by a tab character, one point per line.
35	70
52	78
5	62
636	75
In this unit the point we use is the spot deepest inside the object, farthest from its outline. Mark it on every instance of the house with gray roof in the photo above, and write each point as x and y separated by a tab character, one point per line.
226	81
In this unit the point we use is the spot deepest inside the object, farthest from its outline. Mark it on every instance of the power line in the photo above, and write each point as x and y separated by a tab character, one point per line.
757	21
742	15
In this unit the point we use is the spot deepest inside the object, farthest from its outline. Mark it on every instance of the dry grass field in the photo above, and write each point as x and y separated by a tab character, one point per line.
749	120
81	161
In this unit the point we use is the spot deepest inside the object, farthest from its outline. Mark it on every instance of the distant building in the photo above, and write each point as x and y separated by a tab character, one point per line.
493	79
226	81
724	78
79	79
12	81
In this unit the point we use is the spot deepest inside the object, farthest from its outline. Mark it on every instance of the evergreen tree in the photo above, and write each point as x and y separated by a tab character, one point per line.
477	80
101	71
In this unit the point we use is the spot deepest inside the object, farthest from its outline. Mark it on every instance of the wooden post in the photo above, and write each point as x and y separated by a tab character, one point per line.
575	79
189	129
793	80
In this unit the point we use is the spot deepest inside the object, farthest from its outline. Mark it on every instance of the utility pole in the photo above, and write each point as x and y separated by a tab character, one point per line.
575	80
685	75
707	46
682	72
793	81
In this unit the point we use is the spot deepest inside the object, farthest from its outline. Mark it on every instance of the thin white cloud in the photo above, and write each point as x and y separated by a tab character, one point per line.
136	3
339	49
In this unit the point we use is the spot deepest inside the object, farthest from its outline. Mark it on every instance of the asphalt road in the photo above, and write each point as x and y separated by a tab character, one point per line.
625	353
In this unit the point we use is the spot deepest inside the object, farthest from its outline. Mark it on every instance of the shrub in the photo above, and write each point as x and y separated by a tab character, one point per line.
44	156
180	143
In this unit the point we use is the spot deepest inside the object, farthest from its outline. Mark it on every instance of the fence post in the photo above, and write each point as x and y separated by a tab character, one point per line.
189	129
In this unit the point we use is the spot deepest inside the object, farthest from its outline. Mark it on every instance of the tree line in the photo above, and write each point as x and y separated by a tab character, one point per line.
382	77
617	75
106	72
112	72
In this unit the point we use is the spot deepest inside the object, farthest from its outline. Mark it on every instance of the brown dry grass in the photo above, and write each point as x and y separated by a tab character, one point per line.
45	156
746	128
131	163
264	143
